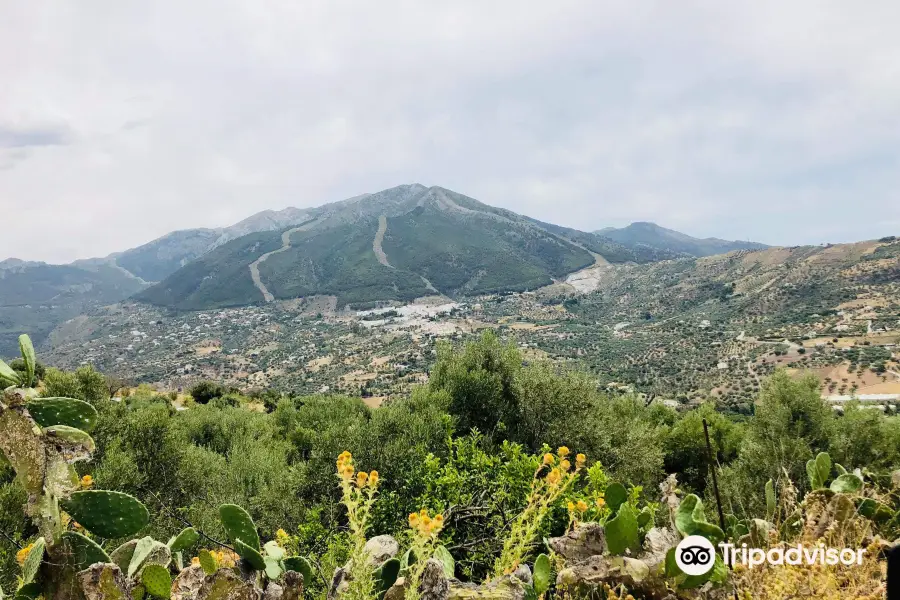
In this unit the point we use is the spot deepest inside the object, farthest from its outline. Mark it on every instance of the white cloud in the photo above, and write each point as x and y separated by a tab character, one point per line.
121	121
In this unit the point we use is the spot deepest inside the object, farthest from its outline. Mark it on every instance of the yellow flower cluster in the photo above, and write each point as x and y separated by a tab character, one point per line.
87	482
22	554
346	470
424	524
282	536
224	558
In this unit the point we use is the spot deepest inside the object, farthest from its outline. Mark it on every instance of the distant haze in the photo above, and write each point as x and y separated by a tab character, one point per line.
768	121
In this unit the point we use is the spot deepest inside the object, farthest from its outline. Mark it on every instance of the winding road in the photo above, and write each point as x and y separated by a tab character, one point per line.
285	245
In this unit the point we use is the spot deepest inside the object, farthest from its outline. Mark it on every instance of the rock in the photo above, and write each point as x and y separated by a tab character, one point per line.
292	582
396	591
586	577
586	540
504	588
225	584
104	581
338	583
523	574
656	544
381	548
187	583
895	479
434	584
273	592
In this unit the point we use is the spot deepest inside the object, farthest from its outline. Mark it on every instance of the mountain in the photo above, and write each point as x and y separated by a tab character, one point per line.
35	297
651	235
395	245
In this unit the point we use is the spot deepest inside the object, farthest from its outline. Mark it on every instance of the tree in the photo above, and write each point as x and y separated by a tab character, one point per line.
205	391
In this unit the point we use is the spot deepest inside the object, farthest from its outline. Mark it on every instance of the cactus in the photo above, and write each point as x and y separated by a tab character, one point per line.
541	575
691	520
622	531
8	376
443	555
33	561
239	526
27	350
615	496
818	470
770	501
250	554
156	581
184	540
82	551
72	436
208	562
385	576
63	411
848	483
107	514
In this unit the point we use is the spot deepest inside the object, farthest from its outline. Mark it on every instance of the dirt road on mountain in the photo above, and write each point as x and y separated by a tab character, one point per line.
285	245
379	239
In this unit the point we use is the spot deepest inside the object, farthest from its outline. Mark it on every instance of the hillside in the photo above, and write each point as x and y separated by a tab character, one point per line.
36	297
651	235
395	245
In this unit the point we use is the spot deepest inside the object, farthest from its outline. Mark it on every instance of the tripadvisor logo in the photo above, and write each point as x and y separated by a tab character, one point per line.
695	555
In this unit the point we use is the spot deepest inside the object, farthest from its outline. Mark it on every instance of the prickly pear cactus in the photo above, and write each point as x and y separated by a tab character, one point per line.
108	514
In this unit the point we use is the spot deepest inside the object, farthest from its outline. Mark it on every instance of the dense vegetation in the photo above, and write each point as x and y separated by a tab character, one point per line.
466	445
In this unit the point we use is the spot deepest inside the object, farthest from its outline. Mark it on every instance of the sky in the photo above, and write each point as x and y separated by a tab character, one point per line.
123	120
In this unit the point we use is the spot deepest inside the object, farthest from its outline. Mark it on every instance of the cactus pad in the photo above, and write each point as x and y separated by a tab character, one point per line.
442	554
615	496
107	514
82	552
122	555
541	576
251	555
63	411
239	525
157	581
298	564
21	443
208	562
27	350
273	568
184	540
142	550
33	561
8	376
622	531
71	436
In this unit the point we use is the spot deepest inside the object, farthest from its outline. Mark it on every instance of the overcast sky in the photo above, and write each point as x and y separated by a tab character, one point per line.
123	120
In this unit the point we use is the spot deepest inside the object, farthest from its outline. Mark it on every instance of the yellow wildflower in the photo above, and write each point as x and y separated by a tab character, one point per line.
562	451
565	465
549	459
87	481
571	506
439	519
554	477
195	560
281	535
580	459
361	479
413	520
601	502
22	554
373	478
582	506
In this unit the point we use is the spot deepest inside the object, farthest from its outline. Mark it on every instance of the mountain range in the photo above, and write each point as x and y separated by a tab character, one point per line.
394	245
